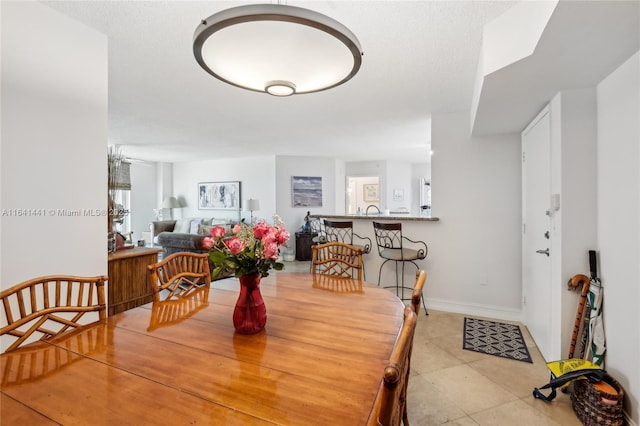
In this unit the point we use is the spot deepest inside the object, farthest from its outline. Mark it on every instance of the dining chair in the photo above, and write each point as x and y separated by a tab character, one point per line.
390	408
179	274
44	307
338	259
393	246
416	296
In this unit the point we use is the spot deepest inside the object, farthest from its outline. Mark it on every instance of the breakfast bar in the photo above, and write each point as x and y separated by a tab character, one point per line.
414	227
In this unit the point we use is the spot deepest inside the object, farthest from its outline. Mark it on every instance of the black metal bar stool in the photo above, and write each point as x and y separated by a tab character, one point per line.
342	231
391	247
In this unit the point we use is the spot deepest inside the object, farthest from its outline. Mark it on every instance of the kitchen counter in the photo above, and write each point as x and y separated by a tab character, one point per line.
392	216
414	227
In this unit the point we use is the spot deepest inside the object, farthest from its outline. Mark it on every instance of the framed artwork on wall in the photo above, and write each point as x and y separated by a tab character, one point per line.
219	195
306	191
370	192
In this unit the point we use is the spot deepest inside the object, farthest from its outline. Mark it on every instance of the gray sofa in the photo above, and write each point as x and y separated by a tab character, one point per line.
165	235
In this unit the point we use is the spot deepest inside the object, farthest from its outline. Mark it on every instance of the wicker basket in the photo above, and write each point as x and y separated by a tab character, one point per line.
595	407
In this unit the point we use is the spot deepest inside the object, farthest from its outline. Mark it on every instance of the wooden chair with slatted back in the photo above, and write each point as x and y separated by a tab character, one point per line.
179	274
44	307
336	258
390	408
416	296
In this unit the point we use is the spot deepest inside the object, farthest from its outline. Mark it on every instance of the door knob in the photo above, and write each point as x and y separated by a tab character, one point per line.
543	252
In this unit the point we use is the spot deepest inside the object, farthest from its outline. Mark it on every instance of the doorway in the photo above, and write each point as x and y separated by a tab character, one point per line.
362	192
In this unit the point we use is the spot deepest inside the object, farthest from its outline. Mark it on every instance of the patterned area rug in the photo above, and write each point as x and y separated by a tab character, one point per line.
495	338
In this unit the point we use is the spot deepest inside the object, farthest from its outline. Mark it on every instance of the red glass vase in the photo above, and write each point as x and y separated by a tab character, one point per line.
250	313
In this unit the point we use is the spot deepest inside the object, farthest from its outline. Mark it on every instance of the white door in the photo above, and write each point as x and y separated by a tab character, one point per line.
536	261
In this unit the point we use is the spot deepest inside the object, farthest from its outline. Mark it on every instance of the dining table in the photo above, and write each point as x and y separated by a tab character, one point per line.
318	361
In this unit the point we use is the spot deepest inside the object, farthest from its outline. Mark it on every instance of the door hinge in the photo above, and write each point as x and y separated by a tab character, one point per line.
524	300
523	157
524	228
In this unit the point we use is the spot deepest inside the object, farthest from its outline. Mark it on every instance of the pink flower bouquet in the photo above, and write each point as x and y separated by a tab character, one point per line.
251	249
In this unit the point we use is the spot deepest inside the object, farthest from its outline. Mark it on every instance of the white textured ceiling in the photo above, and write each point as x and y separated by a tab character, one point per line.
420	57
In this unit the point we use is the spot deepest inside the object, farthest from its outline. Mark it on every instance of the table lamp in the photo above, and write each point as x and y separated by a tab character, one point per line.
253	205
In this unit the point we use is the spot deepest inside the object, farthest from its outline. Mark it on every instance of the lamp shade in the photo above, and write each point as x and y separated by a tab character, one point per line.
277	49
253	204
170	203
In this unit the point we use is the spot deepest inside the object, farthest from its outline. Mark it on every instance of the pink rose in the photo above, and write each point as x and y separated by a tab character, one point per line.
218	232
207	243
269	236
261	229
270	250
234	245
282	236
236	228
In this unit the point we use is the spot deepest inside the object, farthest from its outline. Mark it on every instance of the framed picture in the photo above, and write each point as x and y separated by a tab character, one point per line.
219	195
398	194
370	192
306	191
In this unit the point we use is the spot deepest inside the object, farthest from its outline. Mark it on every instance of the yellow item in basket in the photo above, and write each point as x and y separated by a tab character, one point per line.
564	366
565	371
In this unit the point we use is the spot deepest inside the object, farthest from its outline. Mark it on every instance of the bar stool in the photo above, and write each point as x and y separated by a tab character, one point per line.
342	231
391	247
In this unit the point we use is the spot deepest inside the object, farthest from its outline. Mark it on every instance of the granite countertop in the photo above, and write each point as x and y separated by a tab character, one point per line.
392	216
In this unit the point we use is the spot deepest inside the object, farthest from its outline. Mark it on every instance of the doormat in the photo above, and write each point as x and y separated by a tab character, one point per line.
495	338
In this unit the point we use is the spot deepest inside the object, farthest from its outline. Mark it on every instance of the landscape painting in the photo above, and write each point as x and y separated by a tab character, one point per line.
306	191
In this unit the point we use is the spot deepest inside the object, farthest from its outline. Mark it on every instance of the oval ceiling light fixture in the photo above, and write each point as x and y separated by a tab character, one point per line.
277	49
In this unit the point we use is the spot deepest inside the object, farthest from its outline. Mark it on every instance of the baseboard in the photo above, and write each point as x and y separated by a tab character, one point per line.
487	311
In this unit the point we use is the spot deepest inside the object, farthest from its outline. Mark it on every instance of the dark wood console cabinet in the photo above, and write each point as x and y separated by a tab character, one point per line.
130	282
304	241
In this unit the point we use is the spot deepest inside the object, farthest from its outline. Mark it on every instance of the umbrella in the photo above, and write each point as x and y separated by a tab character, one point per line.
596	347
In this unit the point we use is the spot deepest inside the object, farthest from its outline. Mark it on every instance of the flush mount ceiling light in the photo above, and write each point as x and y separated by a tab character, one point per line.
277	49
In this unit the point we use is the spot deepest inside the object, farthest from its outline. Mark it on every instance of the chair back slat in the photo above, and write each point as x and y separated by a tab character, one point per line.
338	259
38	319
179	274
388	235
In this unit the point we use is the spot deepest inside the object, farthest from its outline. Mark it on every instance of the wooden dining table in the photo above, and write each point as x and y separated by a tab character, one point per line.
319	360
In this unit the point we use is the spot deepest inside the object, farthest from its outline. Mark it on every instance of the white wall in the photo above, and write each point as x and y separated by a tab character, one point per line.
573	227
256	176
618	210
288	166
399	176
54	144
144	198
474	263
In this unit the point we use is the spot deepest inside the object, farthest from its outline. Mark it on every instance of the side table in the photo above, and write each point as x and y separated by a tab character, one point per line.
304	241
130	283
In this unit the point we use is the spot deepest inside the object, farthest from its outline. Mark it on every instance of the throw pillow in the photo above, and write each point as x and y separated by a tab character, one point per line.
193	228
205	230
182	226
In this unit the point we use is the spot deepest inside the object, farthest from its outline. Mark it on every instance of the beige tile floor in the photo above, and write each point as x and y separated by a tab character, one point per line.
452	386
